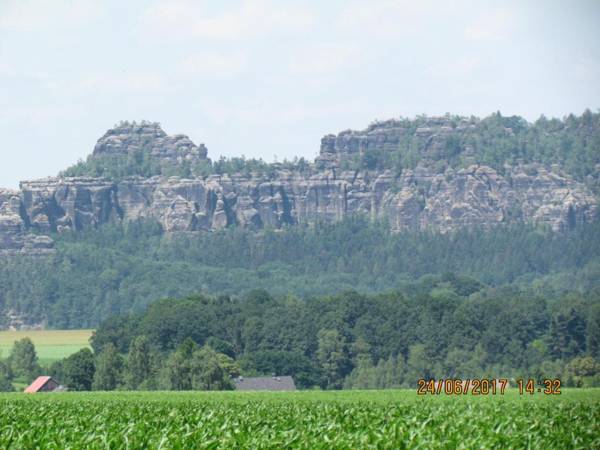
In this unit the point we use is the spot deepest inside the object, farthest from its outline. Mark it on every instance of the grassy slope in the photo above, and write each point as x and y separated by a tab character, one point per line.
50	345
306	419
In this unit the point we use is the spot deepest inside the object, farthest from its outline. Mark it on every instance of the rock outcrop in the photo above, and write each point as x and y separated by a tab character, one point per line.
435	140
418	199
15	235
127	138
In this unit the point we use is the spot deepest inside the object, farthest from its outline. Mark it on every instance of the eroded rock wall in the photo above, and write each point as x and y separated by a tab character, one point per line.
425	197
130	137
419	199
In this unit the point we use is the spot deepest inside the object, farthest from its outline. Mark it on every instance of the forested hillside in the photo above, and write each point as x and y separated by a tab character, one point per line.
499	200
440	327
443	328
431	247
423	174
118	269
572	142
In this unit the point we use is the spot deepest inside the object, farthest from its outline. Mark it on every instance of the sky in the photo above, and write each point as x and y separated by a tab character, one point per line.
269	78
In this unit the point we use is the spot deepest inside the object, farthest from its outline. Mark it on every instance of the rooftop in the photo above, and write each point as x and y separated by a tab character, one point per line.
37	384
275	383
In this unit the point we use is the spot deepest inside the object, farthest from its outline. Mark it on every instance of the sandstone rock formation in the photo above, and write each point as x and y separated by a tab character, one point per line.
14	229
431	139
418	199
127	138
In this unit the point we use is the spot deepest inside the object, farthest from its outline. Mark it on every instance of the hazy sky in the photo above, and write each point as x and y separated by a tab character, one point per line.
268	78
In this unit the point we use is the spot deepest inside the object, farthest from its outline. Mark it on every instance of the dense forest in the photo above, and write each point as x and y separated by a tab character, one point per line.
496	140
348	304
118	269
445	327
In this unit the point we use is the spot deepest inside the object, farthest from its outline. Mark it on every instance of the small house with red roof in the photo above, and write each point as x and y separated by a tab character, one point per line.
42	384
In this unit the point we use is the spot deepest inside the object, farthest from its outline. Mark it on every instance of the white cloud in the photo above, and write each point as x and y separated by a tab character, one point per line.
254	113
7	70
37	15
387	18
34	114
125	83
462	67
213	65
491	26
325	59
586	69
251	18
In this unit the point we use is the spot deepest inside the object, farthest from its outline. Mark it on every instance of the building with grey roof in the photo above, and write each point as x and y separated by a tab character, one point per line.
265	384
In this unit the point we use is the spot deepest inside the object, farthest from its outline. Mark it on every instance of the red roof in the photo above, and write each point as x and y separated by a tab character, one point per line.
37	384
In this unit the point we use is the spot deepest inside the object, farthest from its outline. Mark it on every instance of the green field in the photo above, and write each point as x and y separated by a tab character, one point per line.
50	345
303	419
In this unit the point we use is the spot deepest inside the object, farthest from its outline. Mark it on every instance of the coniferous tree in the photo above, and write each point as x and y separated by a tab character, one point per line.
178	370
5	378
138	367
109	369
332	356
419	365
593	332
24	361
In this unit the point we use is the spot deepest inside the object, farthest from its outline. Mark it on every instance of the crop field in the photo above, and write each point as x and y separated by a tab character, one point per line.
50	345
309	420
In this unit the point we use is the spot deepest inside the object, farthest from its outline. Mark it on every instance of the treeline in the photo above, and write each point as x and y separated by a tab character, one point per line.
449	327
118	269
142	163
572	142
189	368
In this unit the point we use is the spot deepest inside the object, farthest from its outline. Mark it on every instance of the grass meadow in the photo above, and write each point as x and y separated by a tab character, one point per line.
303	419
50	345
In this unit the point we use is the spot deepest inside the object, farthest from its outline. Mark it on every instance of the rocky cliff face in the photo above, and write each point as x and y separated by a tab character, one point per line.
431	138
422	198
14	228
127	138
